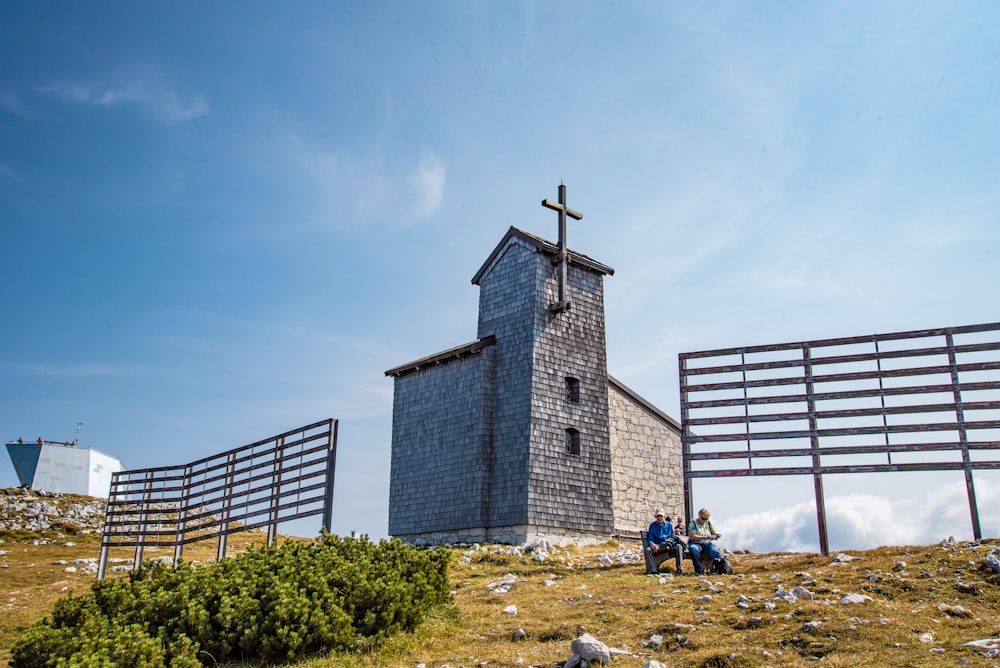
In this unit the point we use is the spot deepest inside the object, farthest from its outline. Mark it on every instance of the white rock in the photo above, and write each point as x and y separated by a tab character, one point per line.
811	626
70	569
653	664
548	583
855	598
993	560
591	649
510	610
985	643
803	593
927	637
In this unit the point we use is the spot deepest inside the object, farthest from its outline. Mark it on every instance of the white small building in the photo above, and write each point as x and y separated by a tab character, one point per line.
66	468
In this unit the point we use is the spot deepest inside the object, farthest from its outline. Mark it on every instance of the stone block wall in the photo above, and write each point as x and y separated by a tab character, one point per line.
646	460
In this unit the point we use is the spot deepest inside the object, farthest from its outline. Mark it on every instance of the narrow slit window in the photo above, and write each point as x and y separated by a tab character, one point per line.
572	441
573	389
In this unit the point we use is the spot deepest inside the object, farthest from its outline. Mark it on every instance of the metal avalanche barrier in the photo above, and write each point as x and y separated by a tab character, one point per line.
278	479
925	400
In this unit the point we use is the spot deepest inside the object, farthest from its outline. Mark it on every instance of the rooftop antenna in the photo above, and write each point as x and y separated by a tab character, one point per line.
76	439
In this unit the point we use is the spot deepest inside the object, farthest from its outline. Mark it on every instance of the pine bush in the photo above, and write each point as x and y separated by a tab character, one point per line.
268	605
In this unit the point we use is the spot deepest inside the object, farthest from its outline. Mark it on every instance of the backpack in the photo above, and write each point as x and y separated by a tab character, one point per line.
721	567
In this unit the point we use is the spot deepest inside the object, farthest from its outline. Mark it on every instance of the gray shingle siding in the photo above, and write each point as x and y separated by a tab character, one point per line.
479	442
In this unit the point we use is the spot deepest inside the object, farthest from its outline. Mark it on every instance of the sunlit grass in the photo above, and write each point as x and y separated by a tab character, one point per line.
577	590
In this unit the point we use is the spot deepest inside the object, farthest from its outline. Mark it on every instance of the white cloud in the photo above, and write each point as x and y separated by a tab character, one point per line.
346	189
864	521
427	181
157	101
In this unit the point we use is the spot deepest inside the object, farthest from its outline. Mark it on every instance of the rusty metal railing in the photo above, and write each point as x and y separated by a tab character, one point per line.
278	479
926	400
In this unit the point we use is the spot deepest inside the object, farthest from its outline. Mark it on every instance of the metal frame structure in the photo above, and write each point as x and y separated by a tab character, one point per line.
926	400
278	479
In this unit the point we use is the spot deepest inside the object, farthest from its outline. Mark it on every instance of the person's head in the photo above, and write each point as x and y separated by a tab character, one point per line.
704	514
660	515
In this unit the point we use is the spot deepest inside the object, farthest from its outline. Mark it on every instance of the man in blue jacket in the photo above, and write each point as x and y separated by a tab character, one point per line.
661	539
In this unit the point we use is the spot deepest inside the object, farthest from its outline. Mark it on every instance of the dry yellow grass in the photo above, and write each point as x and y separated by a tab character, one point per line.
623	608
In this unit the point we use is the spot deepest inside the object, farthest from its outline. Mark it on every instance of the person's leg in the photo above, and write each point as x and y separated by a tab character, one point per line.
695	550
650	561
678	557
713	551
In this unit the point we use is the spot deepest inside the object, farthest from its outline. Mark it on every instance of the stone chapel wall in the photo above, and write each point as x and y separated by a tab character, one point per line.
646	466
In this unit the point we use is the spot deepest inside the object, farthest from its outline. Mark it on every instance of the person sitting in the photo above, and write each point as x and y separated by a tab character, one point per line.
661	540
701	533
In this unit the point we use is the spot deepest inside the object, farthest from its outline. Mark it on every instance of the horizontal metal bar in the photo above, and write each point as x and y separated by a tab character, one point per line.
848	394
833	450
829	470
844	431
827	343
841	377
846	413
840	359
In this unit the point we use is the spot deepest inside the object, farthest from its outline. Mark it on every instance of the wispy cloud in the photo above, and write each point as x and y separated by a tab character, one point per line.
428	181
391	190
151	98
86	369
14	104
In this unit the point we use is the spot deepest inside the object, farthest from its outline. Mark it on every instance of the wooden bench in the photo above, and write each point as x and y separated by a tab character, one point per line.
653	561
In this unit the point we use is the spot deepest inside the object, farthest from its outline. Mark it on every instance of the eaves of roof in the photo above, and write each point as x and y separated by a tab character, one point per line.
544	246
443	357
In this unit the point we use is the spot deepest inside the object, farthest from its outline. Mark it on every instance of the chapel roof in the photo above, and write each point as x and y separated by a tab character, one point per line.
544	246
443	357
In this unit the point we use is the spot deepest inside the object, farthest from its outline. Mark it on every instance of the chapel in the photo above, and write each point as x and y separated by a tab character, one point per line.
522	433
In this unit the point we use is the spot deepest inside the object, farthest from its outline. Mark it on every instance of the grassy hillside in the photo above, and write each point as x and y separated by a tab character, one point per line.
514	609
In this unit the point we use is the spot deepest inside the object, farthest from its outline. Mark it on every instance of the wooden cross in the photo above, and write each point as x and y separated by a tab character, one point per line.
563	257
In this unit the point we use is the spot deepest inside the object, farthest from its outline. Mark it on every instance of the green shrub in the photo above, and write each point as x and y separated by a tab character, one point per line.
269	604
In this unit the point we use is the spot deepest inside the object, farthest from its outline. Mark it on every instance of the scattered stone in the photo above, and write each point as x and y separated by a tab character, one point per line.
653	664
519	635
70	569
855	598
927	637
993	560
655	642
968	587
502	586
510	610
949	542
842	559
590	649
548	583
954	610
703	599
811	626
803	593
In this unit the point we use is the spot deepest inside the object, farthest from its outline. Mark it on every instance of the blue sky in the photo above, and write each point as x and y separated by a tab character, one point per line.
223	221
